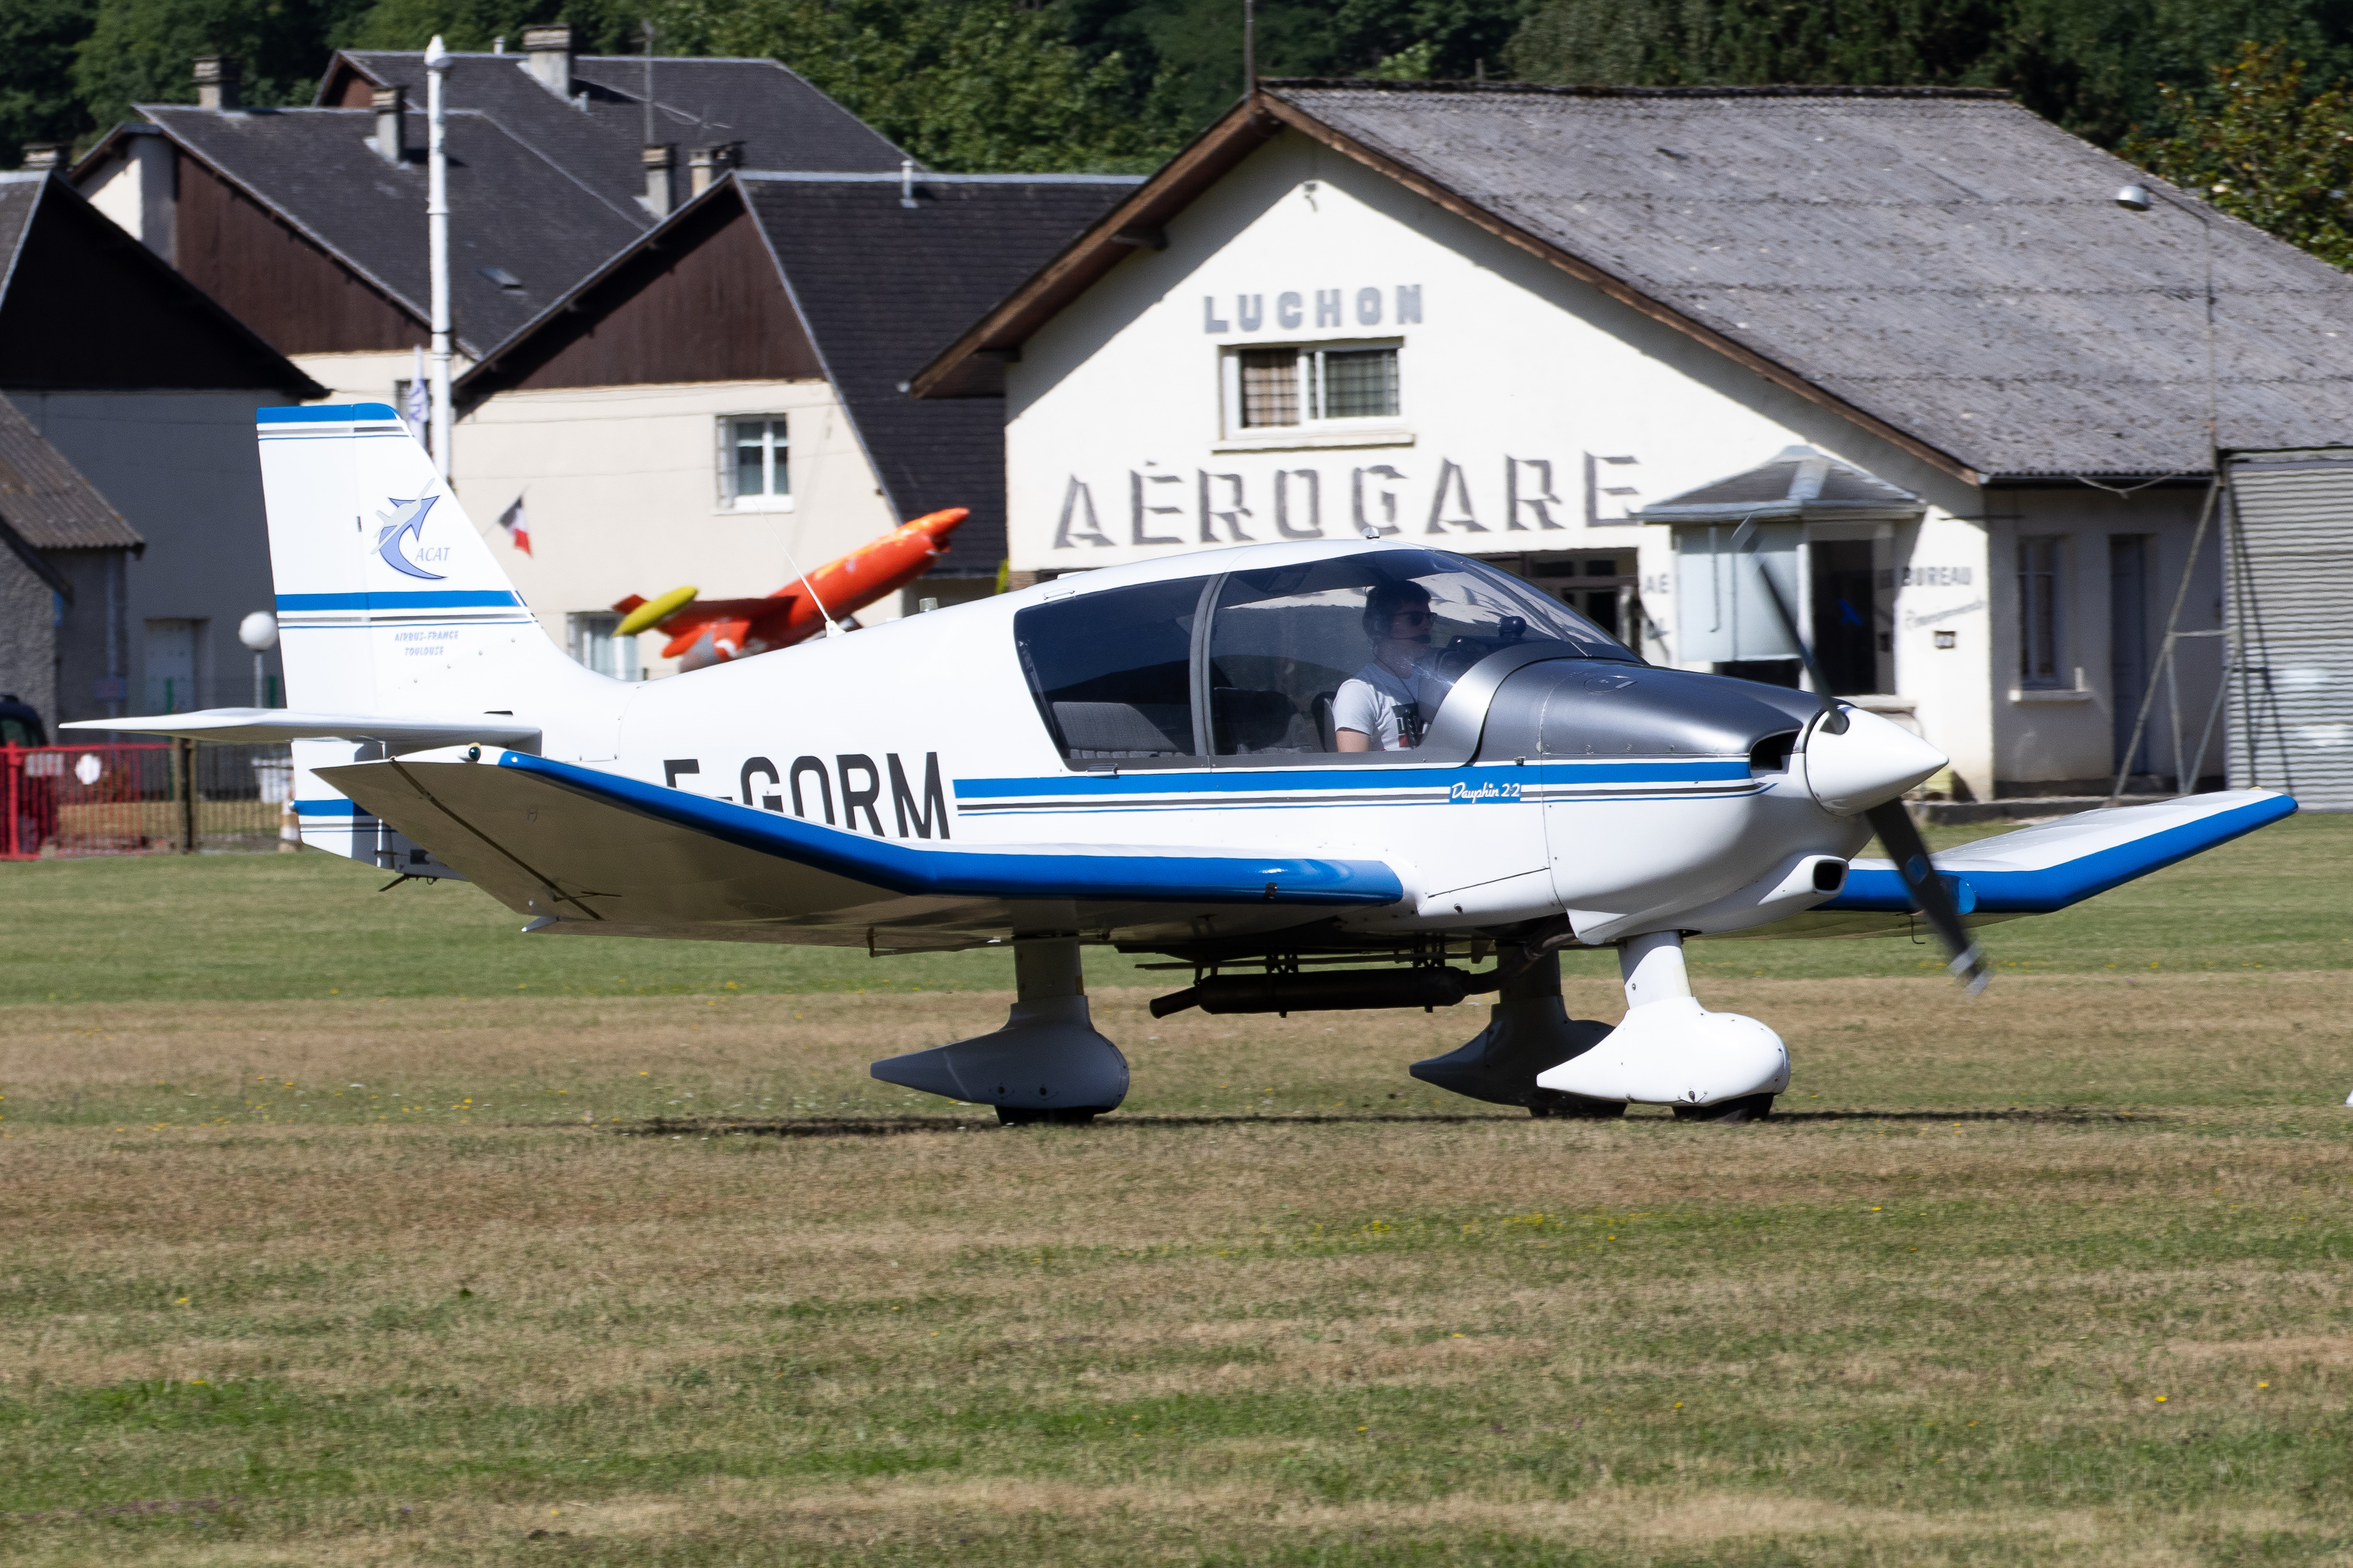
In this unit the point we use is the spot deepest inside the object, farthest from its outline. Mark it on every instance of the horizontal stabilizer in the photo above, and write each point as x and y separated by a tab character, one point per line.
277	726
2036	870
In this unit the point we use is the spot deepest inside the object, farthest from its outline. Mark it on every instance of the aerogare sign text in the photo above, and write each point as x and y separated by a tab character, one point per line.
1300	502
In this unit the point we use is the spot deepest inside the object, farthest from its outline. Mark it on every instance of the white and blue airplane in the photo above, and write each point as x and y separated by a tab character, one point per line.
1320	775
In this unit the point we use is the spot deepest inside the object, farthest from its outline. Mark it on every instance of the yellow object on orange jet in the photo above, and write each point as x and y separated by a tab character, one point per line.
739	628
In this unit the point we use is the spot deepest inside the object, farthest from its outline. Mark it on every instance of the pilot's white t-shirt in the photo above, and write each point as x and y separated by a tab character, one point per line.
1369	702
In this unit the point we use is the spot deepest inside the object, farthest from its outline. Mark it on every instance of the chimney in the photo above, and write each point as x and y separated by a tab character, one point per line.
704	166
45	154
391	105
548	51
215	82
661	167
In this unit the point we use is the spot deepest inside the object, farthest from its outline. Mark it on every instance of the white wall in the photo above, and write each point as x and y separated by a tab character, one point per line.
622	489
2068	735
138	188
369	377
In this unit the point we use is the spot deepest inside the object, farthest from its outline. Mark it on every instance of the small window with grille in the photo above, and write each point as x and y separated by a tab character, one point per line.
1303	386
755	474
2042	613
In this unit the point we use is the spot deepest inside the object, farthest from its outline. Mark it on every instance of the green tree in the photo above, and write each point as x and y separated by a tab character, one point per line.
37	99
2094	66
1196	45
970	84
142	52
2262	147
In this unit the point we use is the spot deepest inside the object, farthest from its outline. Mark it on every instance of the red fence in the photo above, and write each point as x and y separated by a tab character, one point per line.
160	796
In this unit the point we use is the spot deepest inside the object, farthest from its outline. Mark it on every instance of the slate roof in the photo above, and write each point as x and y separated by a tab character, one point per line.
510	206
882	288
1799	483
45	500
782	121
1941	265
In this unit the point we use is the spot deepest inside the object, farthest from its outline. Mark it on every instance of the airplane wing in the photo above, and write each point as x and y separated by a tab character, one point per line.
2038	870
592	852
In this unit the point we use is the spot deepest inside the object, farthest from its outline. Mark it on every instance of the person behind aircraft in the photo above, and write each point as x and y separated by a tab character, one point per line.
1385	706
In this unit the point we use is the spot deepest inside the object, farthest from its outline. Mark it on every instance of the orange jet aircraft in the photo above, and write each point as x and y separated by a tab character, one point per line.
738	628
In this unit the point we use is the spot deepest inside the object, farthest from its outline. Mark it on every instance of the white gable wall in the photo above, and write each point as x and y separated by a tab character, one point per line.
1513	376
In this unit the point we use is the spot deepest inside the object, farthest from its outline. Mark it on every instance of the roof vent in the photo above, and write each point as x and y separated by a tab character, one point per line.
216	79
503	278
45	154
391	105
661	168
548	54
705	166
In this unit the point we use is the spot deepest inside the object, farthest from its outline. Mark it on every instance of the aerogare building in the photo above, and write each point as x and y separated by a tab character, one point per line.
1902	348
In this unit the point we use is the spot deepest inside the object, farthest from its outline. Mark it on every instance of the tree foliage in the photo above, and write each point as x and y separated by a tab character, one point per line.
139	52
2262	147
2094	66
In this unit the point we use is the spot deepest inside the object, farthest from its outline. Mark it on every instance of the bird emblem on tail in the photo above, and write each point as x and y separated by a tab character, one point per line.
408	518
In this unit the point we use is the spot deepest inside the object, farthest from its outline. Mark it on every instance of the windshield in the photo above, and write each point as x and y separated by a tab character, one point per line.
1359	654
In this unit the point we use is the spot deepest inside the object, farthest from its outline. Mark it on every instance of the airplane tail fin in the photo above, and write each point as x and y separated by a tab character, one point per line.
390	603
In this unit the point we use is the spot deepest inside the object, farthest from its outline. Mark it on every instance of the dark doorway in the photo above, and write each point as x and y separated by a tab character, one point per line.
1770	671
1846	635
2128	661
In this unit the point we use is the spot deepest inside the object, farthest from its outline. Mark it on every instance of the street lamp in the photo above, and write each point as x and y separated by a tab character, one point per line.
259	631
2139	198
437	235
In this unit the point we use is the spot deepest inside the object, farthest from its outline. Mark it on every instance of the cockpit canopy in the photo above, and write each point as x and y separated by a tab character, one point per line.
1252	664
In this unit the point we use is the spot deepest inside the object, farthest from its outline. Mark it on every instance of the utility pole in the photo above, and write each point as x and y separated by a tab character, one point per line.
437	226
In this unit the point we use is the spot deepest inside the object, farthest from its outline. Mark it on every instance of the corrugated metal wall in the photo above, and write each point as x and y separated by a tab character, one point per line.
2289	570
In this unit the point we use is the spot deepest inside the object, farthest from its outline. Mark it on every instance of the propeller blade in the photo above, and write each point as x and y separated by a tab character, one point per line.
1833	717
1901	837
1897	831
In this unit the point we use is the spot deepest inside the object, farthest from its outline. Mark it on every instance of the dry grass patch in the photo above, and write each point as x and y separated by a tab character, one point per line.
1288	1308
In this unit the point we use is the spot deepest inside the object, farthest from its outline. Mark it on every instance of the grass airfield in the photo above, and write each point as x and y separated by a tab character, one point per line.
339	1228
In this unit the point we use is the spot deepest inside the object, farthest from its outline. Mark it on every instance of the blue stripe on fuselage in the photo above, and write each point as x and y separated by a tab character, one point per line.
1349	780
986	873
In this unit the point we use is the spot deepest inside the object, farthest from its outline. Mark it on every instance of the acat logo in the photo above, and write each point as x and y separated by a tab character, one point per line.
407	521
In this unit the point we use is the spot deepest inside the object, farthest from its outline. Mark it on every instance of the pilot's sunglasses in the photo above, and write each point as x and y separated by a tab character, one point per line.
1412	618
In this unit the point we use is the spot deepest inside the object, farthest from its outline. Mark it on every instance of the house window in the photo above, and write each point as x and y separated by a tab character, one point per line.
594	645
1286	388
758	477
2042	617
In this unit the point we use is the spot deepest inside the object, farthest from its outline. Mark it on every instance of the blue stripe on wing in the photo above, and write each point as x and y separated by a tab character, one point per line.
986	873
2046	888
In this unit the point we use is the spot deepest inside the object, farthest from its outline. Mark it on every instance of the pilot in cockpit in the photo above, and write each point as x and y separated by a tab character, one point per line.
1386	706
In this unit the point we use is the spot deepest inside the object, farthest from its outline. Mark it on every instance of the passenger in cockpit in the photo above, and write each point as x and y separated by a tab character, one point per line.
1385	706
